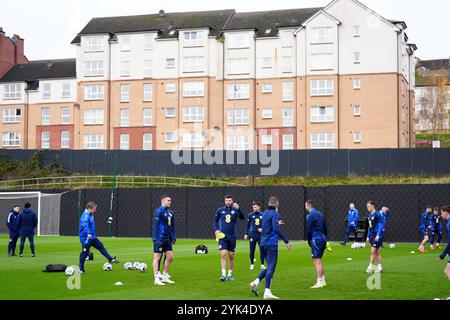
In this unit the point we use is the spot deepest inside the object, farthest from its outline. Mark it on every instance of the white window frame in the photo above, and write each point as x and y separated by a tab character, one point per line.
45	116
322	87
148	41
93	117
11	139
238	117
65	139
124	141
287	64
193	114
93	141
356	57
125	68
94	92
170	87
124	42
192	64
125	93
147	141
190	41
94	68
170	63
288	145
267	62
193	89
148	92
66	90
169	137
321	35
168	112
193	139
266	139
12	115
147	115
357	137
148	68
356	31
288	121
288	91
238	66
317	115
238	91
12	91
46	90
267	87
238	41
238	142
321	61
266	113
124	118
357	110
93	44
45	140
322	140
357	84
65	115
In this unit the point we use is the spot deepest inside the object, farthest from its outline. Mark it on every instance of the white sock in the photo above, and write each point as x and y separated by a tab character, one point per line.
370	266
323	279
224	272
230	272
267	291
380	267
319	280
165	274
257	281
156	277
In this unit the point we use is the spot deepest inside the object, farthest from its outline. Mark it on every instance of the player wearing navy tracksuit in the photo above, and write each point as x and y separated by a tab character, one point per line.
27	223
376	220
316	230
253	234
164	236
269	244
88	237
225	222
446	215
435	228
425	227
12	222
352	225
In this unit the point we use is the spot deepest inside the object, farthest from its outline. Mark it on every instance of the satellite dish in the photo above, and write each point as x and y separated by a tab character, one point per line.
162	13
49	64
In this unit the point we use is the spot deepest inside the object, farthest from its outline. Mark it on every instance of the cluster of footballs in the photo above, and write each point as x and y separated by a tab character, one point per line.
358	245
135	266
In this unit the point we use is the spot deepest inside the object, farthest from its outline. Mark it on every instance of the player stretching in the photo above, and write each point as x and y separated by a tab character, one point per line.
316	231
225	225
352	225
163	239
253	234
375	236
425	227
445	215
88	237
435	228
269	243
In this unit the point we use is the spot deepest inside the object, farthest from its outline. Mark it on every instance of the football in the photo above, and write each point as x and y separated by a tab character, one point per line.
69	271
142	267
135	265
128	266
392	246
107	266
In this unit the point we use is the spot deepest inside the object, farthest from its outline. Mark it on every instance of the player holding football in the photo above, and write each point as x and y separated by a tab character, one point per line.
88	238
164	237
225	225
446	215
269	244
253	234
435	228
375	236
425	227
316	231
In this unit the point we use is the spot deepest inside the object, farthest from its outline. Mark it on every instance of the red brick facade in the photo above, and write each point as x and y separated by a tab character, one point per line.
277	138
55	135
11	52
136	137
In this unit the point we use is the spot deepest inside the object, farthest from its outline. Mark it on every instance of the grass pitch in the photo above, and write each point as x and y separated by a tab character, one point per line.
406	275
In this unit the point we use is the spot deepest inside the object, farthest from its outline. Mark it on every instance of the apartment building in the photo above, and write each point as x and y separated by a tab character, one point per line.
338	77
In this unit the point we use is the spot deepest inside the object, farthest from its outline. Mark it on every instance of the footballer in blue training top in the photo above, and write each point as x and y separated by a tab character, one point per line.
425	227
435	229
446	215
253	233
375	231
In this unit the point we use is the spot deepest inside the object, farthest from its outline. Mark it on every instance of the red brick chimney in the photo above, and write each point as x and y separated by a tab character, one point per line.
11	52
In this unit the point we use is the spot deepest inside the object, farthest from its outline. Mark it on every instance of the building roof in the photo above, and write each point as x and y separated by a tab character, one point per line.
270	20
214	20
434	65
42	69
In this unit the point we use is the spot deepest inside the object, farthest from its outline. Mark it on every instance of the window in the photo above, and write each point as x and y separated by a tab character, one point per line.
11	115
11	139
321	35
238	142
93	44
148	117
46	91
357	137
193	38
238	117
266	113
93	141
288	142
147	141
93	117
125	42
357	110
194	64
267	62
169	112
124	93
288	117
67	89
124	142
45	116
238	91
194	89
356	31
322	140
65	139
239	66
356	57
65	116
12	91
192	139
94	92
148	68
45	140
124	118
286	37
170	87
169	137
238	40
148	42
148	92
287	60
170	63
266	88
356	84
193	114
321	61
125	69
94	68
322	88
266	139
288	91
322	114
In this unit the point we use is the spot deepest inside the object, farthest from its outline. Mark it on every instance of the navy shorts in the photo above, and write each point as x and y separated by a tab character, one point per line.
162	247
375	244
318	248
424	232
227	244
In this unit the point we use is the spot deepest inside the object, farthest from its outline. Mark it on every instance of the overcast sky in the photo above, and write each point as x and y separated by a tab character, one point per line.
48	26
